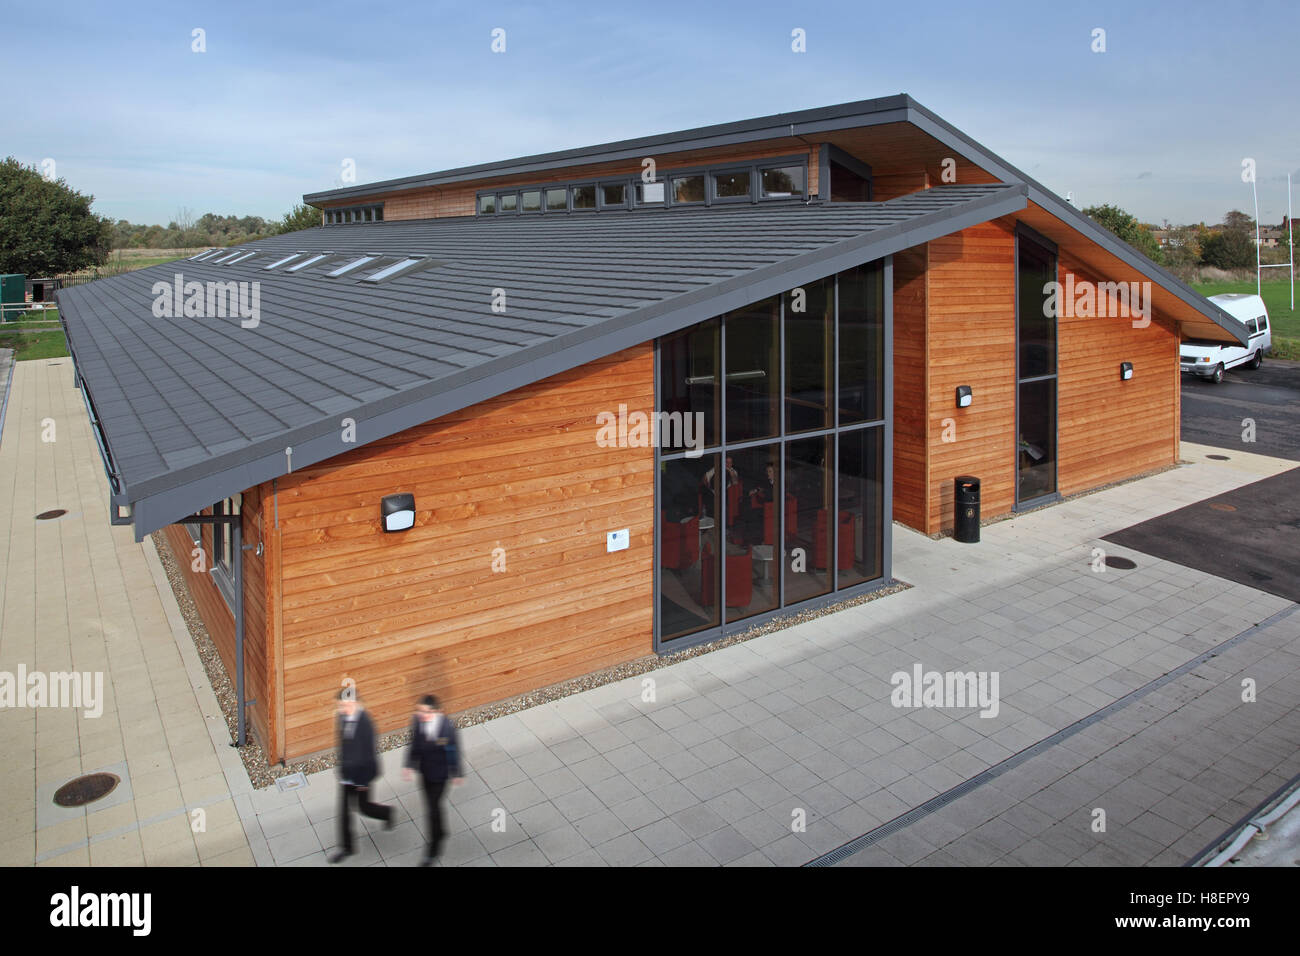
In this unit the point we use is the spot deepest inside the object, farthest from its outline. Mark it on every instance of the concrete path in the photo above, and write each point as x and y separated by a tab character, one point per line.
776	751
79	594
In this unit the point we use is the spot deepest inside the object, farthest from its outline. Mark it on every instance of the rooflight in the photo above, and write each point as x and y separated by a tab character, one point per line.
276	265
229	257
205	252
354	264
306	262
246	255
395	269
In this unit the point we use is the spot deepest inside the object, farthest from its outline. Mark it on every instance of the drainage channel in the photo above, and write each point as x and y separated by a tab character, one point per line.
1015	760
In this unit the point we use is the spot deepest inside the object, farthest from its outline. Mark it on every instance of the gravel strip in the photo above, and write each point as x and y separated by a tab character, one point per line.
263	775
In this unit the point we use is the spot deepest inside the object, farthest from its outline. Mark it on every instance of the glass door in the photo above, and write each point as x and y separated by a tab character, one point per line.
1035	373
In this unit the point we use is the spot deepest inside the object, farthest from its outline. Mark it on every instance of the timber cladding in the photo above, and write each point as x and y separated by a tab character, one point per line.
971	333
1112	429
519	482
217	615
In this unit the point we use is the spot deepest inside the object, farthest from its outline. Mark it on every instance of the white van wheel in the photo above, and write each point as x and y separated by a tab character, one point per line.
1217	377
1257	359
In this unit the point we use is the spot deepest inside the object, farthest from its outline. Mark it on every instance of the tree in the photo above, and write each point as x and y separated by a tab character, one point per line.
299	217
1126	227
46	227
1228	249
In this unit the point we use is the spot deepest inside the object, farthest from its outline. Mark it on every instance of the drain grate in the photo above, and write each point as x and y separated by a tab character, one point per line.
54	513
291	782
1015	760
1120	564
87	789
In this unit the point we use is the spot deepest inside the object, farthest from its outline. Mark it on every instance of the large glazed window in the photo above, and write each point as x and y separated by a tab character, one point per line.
1035	372
784	497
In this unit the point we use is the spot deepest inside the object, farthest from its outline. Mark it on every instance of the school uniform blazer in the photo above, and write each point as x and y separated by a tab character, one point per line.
437	758
358	763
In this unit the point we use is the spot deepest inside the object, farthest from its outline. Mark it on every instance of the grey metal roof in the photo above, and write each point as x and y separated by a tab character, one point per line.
192	410
804	123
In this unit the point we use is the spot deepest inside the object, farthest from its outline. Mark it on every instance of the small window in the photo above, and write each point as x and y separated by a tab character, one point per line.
687	189
354	264
531	200
379	214
613	195
307	262
584	197
649	194
731	185
557	200
509	202
1262	321
276	265
1252	326
487	205
395	269
782	182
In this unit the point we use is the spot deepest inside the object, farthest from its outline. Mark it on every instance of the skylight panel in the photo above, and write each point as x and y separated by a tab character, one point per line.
397	268
202	255
276	265
354	264
307	262
246	255
229	257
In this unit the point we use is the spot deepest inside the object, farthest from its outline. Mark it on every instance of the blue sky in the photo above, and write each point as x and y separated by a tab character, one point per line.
285	92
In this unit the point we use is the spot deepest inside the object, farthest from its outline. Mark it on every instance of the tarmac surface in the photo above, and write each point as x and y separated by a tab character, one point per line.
1269	396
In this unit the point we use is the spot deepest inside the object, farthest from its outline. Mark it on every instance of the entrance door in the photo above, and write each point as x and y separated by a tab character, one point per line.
1035	373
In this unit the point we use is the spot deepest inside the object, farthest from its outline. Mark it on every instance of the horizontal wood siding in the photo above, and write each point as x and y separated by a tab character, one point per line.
457	199
910	418
423	611
972	341
216	613
1109	428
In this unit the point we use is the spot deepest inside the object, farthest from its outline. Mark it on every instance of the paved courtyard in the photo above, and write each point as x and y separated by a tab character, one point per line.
1119	691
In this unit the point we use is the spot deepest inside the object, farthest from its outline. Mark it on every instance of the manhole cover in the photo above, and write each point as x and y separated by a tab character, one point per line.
293	781
1123	564
1222	506
1218	458
87	789
55	513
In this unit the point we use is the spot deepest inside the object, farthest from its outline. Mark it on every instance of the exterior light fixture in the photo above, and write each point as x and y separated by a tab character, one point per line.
398	512
1125	371
963	396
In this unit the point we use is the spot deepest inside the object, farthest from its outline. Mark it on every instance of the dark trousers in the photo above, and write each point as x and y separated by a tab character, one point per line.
433	806
375	810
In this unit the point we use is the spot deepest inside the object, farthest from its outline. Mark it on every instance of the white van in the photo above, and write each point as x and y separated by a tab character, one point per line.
1210	360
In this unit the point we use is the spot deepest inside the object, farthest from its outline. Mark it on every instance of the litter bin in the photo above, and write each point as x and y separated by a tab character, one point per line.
966	508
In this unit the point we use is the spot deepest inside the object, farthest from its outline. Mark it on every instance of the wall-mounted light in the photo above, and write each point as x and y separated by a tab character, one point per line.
1125	371
398	512
963	396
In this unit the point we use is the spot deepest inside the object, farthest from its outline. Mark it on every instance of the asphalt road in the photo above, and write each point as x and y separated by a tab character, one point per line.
1214	414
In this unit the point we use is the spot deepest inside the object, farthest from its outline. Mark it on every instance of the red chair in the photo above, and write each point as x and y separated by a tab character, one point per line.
733	503
679	542
791	521
820	546
740	578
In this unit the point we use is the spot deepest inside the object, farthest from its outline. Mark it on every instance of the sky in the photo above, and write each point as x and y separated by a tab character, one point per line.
284	94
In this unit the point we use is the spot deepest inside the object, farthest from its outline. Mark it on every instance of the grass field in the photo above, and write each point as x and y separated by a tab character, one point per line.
34	345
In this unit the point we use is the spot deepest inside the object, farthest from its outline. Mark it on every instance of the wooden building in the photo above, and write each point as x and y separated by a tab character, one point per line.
639	395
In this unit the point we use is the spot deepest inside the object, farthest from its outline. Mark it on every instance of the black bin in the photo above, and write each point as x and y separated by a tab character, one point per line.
966	507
